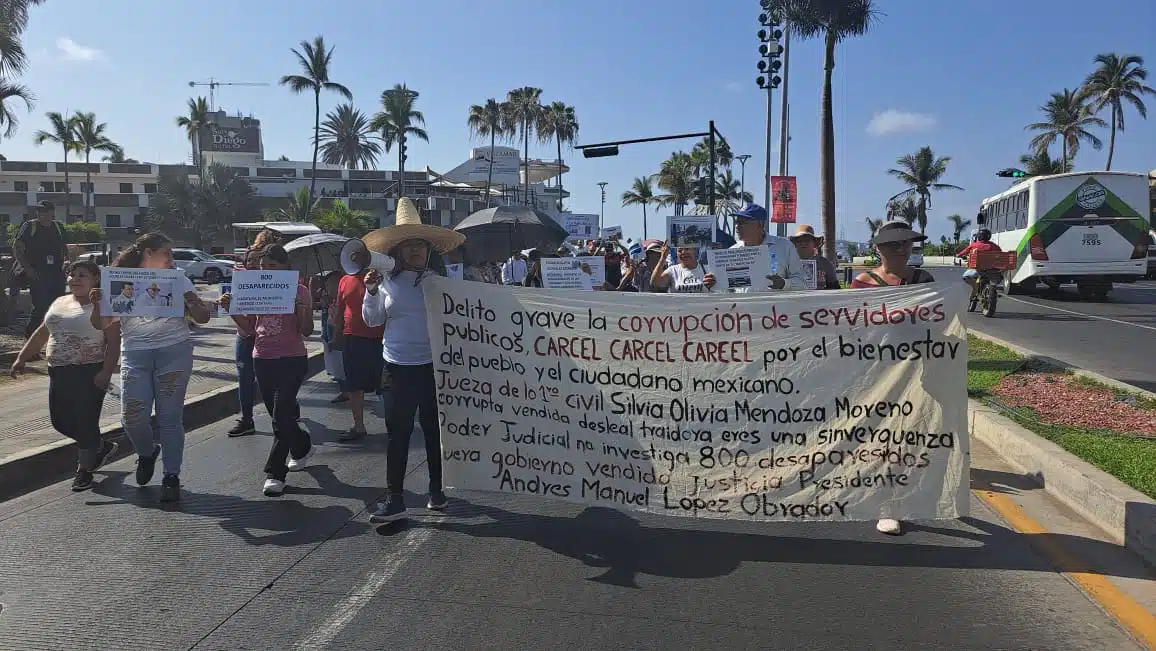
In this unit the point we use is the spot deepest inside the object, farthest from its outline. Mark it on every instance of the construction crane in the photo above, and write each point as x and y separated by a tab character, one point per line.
213	83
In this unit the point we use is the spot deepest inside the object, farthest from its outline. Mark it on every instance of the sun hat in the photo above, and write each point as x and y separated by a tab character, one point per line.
408	226
753	212
805	230
897	230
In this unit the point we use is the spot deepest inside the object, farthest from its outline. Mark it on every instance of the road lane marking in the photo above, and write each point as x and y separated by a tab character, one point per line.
1090	316
1129	614
348	608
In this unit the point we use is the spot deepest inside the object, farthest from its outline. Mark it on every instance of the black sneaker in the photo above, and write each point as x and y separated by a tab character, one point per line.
244	427
82	481
437	501
171	488
107	449
388	511
351	435
146	466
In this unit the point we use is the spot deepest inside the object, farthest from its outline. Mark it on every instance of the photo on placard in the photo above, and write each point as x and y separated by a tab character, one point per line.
123	298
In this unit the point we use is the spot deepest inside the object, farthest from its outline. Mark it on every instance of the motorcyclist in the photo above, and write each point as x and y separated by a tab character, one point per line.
982	244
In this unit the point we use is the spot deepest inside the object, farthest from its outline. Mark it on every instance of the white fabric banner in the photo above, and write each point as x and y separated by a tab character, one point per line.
844	405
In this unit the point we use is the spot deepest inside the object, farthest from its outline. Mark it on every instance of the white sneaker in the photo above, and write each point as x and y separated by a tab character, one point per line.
273	488
296	465
889	526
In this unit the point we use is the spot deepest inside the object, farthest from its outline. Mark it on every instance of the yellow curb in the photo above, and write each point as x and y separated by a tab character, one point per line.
1131	615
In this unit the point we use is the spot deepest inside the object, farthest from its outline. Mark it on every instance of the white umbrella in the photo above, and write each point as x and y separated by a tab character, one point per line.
314	254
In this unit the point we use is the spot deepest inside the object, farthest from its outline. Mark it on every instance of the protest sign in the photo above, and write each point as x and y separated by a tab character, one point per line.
586	272
612	233
455	271
690	231
581	227
819	406
263	292
741	267
810	273
129	291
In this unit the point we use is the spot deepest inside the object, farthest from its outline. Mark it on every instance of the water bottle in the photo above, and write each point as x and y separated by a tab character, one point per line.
774	264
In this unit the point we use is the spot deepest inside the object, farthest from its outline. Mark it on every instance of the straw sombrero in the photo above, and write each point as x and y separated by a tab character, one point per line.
408	226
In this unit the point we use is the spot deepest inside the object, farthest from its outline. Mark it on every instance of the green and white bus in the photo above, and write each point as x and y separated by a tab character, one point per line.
1087	228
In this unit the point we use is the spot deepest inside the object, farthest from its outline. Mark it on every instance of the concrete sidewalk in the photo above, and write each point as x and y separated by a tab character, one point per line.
32	453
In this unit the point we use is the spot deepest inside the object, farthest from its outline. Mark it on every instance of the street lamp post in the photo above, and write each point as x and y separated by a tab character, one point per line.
743	174
602	215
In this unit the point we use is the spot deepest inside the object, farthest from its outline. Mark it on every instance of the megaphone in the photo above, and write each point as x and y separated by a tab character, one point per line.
356	258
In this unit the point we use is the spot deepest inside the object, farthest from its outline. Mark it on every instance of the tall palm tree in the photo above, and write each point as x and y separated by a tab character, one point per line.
12	91
907	209
641	193
396	122
873	225
345	139
1067	119
833	21
314	59
1117	80
676	177
62	133
922	173
558	123
490	119
958	226
192	122
525	115
700	154
89	138
1041	163
13	22
728	188
117	156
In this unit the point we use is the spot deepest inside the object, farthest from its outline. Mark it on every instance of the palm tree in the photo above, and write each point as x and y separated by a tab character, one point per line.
873	226
345	139
89	138
525	114
700	154
339	219
558	123
206	208
676	177
833	21
298	207
1041	163
1118	79
958	226
641	193
922	172
193	122
13	22
10	91
1068	119
728	188
117	156
396	122
63	133
314	60
907	210
490	119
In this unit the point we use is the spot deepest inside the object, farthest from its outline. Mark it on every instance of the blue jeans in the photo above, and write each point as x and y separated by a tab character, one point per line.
157	378
246	377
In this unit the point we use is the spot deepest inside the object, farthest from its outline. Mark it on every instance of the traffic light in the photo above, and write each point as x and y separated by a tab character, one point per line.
1011	173
702	191
770	49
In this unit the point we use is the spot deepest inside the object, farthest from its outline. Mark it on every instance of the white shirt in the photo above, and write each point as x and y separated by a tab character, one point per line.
400	306
514	271
153	332
790	268
71	337
685	281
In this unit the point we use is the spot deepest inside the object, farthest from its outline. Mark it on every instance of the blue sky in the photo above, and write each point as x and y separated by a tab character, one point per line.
962	77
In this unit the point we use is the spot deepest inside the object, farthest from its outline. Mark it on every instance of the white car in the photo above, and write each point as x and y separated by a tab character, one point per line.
199	265
916	259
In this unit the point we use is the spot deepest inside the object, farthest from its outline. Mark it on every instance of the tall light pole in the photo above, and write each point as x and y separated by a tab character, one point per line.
602	215
769	64
742	159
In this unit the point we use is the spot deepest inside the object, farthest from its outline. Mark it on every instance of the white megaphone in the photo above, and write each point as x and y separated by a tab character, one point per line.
356	258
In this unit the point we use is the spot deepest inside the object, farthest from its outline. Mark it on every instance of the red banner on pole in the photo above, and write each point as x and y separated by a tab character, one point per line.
784	200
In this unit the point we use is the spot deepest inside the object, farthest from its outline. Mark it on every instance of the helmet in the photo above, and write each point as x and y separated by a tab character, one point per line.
983	235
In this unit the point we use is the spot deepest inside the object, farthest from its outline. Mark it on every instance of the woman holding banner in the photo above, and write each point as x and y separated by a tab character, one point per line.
155	369
397	302
893	241
686	277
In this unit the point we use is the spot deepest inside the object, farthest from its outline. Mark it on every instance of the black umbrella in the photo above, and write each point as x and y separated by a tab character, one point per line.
494	234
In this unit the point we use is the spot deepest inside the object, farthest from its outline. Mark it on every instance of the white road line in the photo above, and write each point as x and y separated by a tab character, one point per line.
1090	316
347	609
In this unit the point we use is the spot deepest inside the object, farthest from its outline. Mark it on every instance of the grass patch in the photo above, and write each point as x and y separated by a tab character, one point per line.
1130	459
1135	399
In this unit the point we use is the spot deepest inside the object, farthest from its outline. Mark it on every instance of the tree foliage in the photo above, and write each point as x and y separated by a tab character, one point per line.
204	210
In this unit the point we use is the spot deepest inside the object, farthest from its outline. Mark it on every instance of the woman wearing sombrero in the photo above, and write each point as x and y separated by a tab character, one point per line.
395	298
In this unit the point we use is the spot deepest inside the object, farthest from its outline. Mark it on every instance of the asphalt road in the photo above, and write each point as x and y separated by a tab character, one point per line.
229	569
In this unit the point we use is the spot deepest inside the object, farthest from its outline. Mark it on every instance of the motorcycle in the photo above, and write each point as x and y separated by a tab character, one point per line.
985	294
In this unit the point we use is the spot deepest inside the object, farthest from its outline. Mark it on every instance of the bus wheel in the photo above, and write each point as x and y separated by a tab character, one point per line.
1011	289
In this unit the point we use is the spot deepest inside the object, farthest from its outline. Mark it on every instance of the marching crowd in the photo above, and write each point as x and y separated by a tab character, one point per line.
373	322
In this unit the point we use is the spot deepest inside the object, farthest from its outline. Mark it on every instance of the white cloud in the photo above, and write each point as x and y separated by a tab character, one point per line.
70	50
885	123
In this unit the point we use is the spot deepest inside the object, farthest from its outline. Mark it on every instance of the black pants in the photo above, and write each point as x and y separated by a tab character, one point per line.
47	287
279	380
414	392
74	405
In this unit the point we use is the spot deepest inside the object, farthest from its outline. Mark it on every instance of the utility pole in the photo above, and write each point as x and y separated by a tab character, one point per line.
713	172
784	114
742	159
602	215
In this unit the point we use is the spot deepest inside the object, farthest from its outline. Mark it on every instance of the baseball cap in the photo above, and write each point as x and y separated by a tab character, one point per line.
753	212
46	206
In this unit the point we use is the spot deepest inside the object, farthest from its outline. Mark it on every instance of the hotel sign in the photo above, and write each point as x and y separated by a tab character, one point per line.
245	140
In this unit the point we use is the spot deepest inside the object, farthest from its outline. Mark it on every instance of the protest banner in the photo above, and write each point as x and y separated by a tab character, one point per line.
581	227
761	407
586	272
130	291
263	292
612	233
740	267
690	231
